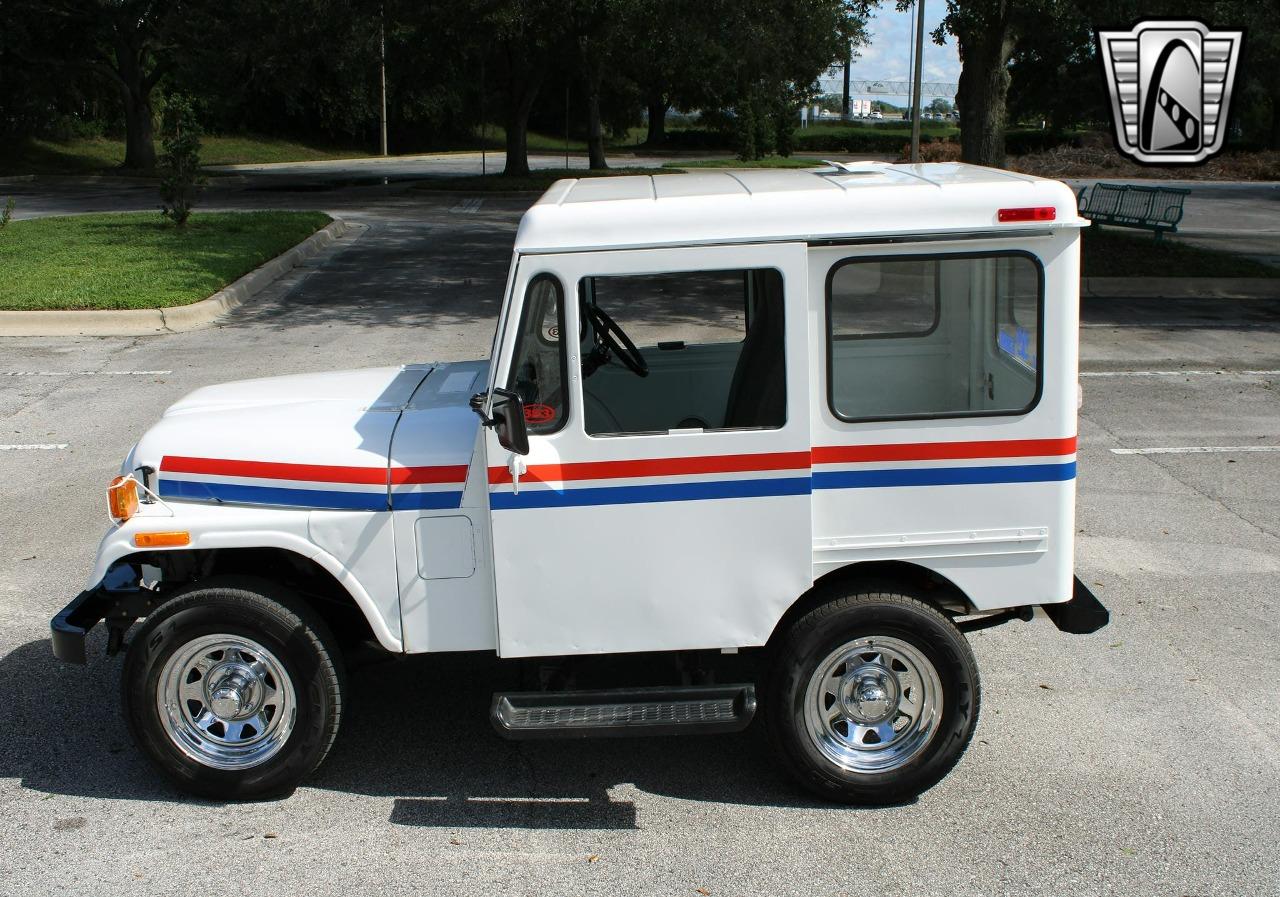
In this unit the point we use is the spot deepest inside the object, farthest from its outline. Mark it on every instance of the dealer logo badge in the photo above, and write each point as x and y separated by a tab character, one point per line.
1170	86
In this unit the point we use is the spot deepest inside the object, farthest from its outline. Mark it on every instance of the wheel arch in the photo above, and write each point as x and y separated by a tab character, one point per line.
929	585
317	578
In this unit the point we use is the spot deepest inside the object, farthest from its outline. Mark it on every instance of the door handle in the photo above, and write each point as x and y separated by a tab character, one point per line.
516	466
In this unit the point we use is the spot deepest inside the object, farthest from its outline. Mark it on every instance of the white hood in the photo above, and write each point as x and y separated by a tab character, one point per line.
308	441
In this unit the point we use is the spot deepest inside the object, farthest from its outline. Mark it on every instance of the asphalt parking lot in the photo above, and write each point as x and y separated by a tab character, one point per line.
1143	759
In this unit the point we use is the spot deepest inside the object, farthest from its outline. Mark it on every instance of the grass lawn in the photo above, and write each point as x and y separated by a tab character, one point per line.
1109	253
138	260
102	154
767	162
539	179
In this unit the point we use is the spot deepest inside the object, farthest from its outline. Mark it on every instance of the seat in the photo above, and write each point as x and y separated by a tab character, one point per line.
758	391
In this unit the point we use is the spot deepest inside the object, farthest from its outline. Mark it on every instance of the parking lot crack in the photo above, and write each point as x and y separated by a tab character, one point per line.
60	382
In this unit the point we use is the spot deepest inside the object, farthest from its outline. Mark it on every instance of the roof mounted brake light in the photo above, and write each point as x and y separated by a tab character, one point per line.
1034	213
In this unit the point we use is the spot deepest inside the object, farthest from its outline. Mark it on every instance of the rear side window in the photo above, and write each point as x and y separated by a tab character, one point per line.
884	300
934	336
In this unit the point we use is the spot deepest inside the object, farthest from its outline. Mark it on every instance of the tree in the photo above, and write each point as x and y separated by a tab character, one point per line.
597	33
296	66
986	32
130	43
676	55
1257	105
1055	76
523	34
776	51
180	180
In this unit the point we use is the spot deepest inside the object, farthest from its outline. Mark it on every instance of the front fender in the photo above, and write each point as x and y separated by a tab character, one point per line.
229	526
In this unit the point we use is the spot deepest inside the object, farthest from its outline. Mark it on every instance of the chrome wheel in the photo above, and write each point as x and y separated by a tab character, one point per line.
873	704
226	701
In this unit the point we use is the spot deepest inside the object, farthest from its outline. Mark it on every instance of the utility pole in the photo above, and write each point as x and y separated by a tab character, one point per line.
382	67
915	84
848	61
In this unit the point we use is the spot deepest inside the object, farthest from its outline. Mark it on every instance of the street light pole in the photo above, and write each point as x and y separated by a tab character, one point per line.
848	61
382	71
915	84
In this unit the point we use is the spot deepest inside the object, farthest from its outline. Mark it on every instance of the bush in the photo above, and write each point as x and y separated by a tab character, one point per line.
180	179
938	151
7	214
696	139
1021	142
849	140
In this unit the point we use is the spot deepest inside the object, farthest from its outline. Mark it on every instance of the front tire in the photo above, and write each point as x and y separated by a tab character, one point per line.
873	696
233	689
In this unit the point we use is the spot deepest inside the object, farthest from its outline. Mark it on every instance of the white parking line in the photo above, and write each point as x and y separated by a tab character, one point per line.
33	447
82	373
467	206
1178	373
1197	450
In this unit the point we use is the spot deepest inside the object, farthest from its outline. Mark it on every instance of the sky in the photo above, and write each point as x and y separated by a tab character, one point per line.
886	55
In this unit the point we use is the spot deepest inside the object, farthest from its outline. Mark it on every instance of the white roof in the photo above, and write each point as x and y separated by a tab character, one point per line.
857	199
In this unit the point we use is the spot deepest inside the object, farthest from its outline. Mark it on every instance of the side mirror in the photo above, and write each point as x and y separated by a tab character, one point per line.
508	419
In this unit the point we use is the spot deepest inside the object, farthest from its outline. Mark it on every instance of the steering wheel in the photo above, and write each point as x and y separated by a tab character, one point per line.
613	339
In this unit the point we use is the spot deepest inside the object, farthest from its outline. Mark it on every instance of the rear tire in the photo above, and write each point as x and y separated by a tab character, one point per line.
233	689
873	696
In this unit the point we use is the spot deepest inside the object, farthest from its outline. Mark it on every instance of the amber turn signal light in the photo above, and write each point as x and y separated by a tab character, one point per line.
162	540
122	499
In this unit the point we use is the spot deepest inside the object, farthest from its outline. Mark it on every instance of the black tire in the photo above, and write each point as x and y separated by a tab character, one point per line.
849	613
238	607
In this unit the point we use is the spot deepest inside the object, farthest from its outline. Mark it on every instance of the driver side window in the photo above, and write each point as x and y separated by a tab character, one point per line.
691	350
538	366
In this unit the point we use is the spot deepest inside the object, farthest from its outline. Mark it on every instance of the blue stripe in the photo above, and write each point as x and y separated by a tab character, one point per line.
944	476
425	501
234	493
630	495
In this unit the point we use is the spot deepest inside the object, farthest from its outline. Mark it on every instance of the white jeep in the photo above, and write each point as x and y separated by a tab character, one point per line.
823	422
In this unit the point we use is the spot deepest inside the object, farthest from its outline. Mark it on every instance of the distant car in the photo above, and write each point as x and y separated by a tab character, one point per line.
876	113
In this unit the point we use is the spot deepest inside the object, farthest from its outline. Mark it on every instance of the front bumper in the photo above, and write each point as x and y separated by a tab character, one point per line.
67	630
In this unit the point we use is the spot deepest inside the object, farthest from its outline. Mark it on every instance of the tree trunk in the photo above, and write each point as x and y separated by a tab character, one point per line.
1274	142
521	91
139	143
982	95
657	122
595	133
135	93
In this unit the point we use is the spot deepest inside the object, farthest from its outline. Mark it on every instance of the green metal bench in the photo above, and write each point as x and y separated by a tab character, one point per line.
1156	209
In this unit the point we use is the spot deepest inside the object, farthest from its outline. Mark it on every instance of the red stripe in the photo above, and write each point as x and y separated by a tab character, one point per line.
944	451
315	473
455	473
656	467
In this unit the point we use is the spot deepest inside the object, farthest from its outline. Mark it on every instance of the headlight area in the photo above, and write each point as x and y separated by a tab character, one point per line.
122	498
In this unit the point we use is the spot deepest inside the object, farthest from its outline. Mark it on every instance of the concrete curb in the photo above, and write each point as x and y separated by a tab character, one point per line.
1181	287
17	179
174	319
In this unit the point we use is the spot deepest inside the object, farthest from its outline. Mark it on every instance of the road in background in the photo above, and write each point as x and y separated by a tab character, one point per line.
1142	759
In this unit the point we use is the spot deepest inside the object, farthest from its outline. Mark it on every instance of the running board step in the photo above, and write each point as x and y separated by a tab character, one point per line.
624	712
